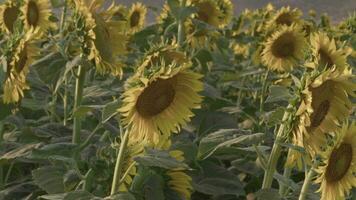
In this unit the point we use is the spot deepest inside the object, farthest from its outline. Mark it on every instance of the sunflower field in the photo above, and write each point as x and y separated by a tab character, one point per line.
201	104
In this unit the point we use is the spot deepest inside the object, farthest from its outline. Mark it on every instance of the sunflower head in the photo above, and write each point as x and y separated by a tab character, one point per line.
284	49
208	11
103	38
325	53
9	13
137	17
120	14
337	174
227	11
35	15
285	17
160	97
23	54
325	104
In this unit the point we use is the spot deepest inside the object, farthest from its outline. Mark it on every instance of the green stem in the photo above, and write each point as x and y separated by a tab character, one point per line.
286	174
119	163
77	102
264	88
65	101
306	184
88	180
181	27
7	177
275	153
63	16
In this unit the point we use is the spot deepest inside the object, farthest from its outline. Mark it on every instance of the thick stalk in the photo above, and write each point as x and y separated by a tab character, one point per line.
119	163
306	184
275	153
77	102
181	27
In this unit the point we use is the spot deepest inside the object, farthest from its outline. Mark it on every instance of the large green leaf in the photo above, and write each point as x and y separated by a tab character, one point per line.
216	180
19	152
49	178
278	93
226	138
57	149
157	158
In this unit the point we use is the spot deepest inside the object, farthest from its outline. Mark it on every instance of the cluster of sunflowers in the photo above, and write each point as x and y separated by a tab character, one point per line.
163	84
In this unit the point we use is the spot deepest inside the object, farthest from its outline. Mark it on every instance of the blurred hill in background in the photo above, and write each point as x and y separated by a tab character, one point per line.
336	9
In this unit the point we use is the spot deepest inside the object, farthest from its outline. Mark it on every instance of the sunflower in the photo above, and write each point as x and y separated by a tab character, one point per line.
129	169
337	175
17	70
284	49
35	15
104	39
137	17
227	10
159	99
325	53
178	180
285	16
9	13
325	104
208	11
120	13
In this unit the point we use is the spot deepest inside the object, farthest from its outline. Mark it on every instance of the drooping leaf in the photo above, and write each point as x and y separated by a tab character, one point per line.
226	138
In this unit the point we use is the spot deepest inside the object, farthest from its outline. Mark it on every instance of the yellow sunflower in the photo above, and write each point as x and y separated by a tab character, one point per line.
324	106
325	53
160	98
129	169
137	17
284	49
9	13
285	16
104	38
120	13
35	15
208	11
178	180
17	70
337	175
227	10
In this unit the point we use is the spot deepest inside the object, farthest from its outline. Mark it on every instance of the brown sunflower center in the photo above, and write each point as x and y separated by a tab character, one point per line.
284	45
10	16
33	13
339	163
325	59
156	97
135	19
205	10
319	113
284	19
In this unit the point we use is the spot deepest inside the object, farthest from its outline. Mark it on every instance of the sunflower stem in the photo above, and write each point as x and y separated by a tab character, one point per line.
77	102
275	153
181	27
119	163
63	16
286	174
306	184
264	88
